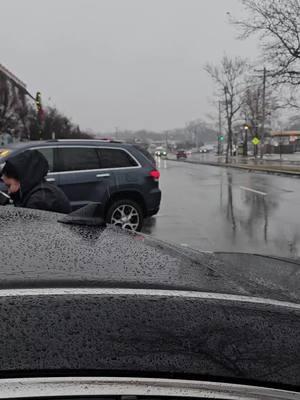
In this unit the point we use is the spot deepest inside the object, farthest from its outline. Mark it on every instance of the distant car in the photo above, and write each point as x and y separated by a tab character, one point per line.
160	152
181	154
205	149
95	313
123	177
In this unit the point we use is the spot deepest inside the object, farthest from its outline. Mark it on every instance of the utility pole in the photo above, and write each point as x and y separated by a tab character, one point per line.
229	135
263	114
220	129
196	133
40	113
166	140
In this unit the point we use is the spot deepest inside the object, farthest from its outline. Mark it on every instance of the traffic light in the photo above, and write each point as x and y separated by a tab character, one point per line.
38	102
221	138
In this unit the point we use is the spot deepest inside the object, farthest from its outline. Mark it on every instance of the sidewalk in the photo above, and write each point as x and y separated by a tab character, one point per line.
289	164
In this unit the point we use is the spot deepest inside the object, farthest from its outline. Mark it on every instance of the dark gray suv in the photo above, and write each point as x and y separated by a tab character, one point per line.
122	177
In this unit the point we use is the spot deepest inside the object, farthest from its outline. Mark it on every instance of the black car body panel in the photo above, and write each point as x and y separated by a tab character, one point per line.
99	183
76	299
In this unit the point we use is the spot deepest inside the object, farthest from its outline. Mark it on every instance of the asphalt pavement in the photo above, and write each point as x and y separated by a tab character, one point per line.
219	209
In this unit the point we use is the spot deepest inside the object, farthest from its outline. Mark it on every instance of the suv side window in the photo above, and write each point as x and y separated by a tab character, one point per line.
116	158
78	159
145	153
48	153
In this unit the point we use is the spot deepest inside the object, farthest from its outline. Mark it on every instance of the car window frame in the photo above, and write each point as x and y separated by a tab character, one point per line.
125	151
55	155
100	168
146	154
56	158
77	170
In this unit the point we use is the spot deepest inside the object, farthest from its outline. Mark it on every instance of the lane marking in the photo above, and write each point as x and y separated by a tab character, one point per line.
253	191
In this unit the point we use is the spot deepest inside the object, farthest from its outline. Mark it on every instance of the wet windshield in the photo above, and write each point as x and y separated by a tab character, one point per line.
195	105
149	199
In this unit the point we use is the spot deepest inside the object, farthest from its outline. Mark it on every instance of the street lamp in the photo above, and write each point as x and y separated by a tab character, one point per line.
245	145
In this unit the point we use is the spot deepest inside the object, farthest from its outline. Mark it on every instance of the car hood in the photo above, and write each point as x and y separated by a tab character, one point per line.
38	251
85	300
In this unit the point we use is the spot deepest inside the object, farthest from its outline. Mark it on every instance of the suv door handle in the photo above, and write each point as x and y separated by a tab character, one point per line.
102	175
50	179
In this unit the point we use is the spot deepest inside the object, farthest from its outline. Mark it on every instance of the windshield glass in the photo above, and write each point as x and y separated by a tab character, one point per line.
206	92
150	194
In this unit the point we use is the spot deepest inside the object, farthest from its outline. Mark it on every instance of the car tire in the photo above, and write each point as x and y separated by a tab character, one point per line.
119	212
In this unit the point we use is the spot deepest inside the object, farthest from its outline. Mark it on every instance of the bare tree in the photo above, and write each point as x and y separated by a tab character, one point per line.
19	117
293	123
199	130
277	23
229	79
13	107
54	123
257	108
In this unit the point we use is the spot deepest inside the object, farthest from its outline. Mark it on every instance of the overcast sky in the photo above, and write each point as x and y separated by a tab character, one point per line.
130	64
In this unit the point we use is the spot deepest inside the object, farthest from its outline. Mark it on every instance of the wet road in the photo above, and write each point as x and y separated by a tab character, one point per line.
220	209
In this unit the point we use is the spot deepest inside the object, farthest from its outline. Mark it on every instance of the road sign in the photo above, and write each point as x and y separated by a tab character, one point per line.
255	141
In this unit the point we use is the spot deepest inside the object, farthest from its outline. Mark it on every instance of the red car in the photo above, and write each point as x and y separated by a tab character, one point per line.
181	154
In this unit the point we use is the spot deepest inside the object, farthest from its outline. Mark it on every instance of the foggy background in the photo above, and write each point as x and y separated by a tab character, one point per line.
130	64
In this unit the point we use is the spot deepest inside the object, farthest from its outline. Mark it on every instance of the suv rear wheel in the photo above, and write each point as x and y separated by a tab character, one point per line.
127	214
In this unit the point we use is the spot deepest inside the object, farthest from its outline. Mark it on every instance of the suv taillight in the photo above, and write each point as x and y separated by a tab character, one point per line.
155	174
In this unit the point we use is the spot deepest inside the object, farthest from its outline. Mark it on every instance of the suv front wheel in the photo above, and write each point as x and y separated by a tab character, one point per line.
126	214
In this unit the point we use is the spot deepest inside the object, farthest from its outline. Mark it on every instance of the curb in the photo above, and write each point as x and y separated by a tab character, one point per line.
248	168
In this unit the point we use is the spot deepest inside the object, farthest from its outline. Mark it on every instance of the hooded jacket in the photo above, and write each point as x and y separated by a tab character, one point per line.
31	168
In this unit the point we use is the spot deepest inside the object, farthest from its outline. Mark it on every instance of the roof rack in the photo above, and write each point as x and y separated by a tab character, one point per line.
107	140
110	140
